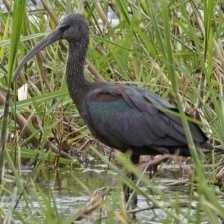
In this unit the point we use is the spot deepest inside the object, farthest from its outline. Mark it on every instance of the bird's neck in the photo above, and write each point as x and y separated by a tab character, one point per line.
75	70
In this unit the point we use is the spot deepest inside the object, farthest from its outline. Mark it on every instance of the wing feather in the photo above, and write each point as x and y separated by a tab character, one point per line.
123	117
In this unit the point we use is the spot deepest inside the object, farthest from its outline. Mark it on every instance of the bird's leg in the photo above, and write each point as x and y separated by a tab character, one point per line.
130	196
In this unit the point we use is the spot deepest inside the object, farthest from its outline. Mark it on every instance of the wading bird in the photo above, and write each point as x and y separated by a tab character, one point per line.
124	117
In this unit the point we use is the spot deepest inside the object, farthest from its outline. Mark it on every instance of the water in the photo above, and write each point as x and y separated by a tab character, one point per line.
70	189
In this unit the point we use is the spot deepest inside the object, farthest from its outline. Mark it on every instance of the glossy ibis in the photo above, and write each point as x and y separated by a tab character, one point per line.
124	117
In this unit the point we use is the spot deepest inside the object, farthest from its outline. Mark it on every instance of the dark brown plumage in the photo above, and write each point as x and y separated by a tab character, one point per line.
121	116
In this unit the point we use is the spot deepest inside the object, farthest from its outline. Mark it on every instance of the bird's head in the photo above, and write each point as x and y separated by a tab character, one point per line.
72	28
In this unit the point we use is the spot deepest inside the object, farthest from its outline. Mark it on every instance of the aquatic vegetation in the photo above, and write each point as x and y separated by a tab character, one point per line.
173	49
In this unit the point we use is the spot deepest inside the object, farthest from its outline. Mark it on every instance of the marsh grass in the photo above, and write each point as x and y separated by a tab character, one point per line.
173	48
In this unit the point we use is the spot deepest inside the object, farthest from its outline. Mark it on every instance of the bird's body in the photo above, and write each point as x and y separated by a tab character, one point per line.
121	116
129	118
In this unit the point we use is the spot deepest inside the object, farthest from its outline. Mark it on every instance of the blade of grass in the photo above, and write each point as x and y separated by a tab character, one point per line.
17	21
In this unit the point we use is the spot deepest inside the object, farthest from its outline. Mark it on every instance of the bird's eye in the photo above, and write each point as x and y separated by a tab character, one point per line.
64	27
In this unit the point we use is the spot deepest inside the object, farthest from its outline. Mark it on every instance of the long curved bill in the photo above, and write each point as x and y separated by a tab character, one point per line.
51	38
